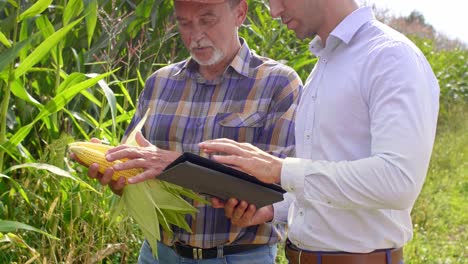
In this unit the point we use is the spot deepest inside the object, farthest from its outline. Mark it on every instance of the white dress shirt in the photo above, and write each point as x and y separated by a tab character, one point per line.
365	128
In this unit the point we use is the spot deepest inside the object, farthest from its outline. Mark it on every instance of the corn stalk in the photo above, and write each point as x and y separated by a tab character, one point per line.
4	105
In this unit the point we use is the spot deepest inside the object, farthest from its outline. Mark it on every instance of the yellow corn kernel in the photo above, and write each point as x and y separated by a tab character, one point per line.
90	152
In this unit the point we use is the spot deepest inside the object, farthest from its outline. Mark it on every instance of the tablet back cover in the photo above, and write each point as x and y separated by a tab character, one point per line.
206	176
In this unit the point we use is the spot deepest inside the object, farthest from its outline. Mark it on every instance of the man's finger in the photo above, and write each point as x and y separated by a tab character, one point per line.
223	147
220	140
217	203
146	175
107	176
93	170
131	164
123	152
249	213
117	186
240	210
95	140
230	207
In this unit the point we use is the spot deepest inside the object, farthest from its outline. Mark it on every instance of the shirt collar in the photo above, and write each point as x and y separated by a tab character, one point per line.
345	31
240	63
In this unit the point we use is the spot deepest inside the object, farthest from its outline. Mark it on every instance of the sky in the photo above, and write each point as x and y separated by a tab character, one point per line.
448	16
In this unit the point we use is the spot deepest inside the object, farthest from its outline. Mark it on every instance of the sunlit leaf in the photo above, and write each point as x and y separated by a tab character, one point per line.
35	9
43	49
4	40
73	9
53	169
71	80
77	125
10	153
110	96
47	29
12	2
126	116
56	104
10	226
91	98
19	91
91	19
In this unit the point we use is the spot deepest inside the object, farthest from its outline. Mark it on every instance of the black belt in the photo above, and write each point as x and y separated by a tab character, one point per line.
207	253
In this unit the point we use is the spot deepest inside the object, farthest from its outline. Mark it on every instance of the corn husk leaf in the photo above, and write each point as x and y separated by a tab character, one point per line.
154	203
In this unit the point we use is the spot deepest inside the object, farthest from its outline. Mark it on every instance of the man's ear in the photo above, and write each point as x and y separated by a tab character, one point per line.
241	12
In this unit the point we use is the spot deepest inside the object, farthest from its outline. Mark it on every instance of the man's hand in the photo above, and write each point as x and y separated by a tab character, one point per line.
106	178
245	157
145	156
242	214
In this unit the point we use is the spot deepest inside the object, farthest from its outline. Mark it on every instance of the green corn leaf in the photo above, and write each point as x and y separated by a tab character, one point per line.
56	104
47	29
10	226
126	116
110	96
131	139
177	219
10	153
168	199
147	191
43	49
143	212
77	125
93	99
19	91
45	26
73	9
18	187
11	2
140	78
91	19
184	192
35	9
63	98
70	80
9	56
124	91
53	169
4	40
161	202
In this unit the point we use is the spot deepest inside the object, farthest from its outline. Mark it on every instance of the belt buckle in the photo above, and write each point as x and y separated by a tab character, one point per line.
197	253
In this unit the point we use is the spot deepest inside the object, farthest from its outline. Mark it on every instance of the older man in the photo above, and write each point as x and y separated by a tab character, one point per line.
365	128
223	90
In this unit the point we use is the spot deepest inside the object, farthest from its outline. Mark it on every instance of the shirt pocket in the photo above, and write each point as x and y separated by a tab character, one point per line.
242	127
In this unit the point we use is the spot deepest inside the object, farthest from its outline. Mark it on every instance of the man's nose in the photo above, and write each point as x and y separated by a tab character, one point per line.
197	33
276	8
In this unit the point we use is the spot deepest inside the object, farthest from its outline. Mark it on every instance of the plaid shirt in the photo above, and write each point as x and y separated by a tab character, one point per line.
253	101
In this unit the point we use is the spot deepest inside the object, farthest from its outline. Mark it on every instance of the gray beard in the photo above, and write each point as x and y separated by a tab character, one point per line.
218	55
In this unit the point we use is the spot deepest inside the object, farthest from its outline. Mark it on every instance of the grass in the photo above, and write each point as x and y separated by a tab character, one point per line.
439	216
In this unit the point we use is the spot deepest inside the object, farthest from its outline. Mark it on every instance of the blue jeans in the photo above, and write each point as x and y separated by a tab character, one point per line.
166	255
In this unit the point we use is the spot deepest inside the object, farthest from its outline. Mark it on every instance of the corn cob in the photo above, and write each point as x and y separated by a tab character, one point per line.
90	152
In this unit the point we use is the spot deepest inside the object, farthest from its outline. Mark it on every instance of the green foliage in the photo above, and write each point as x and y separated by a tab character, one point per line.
269	38
72	69
54	83
439	216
